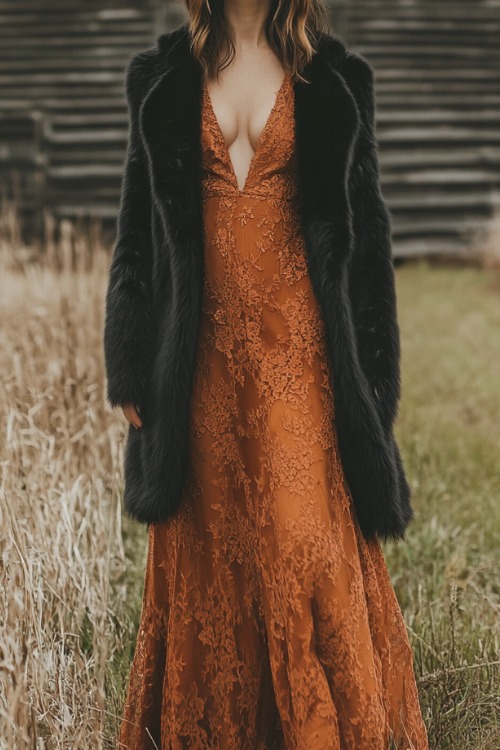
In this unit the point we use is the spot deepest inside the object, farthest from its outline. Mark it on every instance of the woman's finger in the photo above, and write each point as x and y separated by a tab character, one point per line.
132	416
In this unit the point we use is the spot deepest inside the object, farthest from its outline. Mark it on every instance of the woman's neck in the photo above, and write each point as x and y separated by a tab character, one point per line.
246	22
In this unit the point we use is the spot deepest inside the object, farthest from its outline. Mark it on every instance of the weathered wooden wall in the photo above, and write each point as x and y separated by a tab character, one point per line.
63	117
437	67
63	121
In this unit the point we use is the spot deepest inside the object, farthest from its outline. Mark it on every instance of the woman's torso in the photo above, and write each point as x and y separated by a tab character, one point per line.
256	279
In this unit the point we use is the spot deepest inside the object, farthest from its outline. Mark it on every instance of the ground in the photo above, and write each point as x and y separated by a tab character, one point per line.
71	565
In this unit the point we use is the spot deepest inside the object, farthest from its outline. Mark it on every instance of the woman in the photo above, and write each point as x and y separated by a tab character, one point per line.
251	339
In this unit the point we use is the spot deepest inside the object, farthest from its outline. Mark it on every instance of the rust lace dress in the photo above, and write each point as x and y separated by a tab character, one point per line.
268	622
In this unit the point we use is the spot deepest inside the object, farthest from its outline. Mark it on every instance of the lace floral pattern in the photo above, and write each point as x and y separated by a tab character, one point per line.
268	621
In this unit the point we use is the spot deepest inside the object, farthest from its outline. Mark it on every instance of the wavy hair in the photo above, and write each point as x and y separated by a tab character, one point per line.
292	28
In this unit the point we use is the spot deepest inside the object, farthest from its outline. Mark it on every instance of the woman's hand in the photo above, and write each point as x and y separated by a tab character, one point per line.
132	415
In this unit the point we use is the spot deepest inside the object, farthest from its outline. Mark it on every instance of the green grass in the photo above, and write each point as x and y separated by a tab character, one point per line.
446	573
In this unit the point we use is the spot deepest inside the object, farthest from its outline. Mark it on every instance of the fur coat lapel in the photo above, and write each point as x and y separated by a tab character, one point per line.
155	290
327	124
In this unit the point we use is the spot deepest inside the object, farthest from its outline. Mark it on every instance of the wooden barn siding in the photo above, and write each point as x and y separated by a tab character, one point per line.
63	117
437	67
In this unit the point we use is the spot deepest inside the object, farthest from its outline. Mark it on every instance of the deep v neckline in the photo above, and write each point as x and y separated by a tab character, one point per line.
220	135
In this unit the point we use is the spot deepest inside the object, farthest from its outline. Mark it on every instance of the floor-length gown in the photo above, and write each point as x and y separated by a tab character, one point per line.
268	621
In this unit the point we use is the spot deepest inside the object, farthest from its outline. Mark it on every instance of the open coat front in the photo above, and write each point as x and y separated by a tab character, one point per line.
154	296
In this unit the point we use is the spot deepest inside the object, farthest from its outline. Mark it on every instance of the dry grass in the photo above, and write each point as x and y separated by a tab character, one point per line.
71	567
67	607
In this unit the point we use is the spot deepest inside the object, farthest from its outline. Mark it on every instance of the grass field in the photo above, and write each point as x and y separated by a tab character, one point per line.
71	566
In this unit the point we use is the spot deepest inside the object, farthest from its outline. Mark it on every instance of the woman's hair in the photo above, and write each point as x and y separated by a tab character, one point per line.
292	28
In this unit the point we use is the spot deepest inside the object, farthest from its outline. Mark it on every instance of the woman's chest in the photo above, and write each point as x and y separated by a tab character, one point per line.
238	171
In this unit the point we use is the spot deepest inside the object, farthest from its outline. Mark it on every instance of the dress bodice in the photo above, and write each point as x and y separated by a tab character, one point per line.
271	169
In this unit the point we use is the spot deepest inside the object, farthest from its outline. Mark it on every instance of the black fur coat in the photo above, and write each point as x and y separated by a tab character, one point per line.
154	294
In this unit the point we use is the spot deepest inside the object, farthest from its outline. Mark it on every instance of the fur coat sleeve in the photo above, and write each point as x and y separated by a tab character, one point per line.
372	288
128	315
